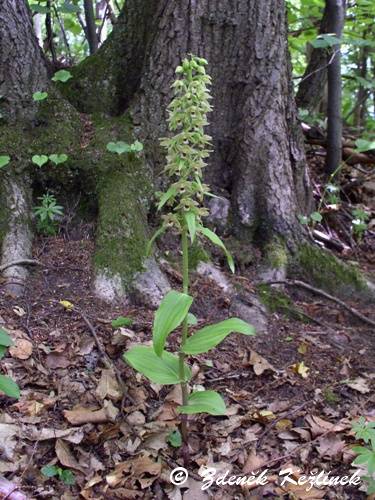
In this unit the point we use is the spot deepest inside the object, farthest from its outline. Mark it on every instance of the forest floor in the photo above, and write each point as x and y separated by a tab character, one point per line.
292	393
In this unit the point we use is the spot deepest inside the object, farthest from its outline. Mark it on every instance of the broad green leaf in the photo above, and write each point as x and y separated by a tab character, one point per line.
204	402
136	147
4	160
325	41
3	350
40	96
157	233
119	147
166	196
39	160
214	238
316	217
62	76
5	340
49	470
363	145
67	477
174	438
121	321
303	219
57	159
191	224
9	387
210	336
162	369
170	314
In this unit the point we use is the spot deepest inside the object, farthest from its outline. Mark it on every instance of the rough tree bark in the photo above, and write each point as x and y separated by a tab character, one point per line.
22	72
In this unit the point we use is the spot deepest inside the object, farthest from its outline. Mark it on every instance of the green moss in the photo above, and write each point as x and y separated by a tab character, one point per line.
276	255
197	254
277	301
243	253
324	270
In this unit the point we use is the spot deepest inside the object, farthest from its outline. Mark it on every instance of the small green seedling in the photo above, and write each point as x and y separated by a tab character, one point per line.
174	438
187	151
121	147
40	96
366	454
65	475
359	223
57	159
7	385
39	160
62	76
121	322
47	213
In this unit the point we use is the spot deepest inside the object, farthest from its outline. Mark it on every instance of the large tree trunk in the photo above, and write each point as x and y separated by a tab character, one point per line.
258	157
22	72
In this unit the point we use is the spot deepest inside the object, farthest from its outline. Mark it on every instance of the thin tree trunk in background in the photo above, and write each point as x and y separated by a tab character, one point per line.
92	38
334	118
362	94
50	46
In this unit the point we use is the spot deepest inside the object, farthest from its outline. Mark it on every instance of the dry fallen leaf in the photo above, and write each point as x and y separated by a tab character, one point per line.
330	446
22	349
259	363
65	456
67	305
359	384
108	386
301	369
81	415
57	360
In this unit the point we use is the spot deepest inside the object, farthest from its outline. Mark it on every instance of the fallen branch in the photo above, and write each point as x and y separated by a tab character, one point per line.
318	291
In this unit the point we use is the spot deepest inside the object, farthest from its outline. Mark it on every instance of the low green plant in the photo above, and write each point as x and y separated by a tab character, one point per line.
121	147
187	151
7	384
365	431
65	475
47	213
359	223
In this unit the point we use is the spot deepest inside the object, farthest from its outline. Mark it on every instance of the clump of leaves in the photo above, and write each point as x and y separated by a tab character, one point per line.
121	147
365	431
65	475
359	223
187	151
7	384
47	213
121	321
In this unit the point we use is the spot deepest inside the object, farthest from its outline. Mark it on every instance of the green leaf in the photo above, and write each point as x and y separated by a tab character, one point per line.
4	160
57	159
192	319
162	369
363	145
49	470
210	336
121	321
5	340
170	314
62	76
136	147
214	238
68	8
204	402
119	147
326	40
3	350
166	196
40	96
316	217
67	477
39	9
303	219
174	438
39	160
366	456
9	387
154	237
191	224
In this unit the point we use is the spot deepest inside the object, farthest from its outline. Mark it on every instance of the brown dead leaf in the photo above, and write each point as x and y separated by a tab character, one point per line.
73	435
253	463
22	349
136	468
136	418
359	384
319	426
57	360
80	415
108	386
259	363
65	456
330	446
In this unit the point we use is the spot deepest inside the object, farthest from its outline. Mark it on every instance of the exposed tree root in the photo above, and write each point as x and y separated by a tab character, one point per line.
318	291
23	262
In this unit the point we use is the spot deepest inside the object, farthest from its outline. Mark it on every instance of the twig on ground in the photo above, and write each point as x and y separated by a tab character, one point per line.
23	262
318	291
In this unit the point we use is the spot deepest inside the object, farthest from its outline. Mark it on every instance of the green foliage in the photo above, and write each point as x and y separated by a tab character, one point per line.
174	438
359	223
65	475
121	147
47	213
4	160
39	160
58	159
366	454
40	96
121	321
7	385
187	150
62	76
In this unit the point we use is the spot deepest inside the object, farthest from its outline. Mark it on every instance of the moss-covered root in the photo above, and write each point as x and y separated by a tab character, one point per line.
15	230
122	231
275	261
322	269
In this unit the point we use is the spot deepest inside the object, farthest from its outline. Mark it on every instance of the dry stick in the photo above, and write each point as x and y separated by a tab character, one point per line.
106	359
318	291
